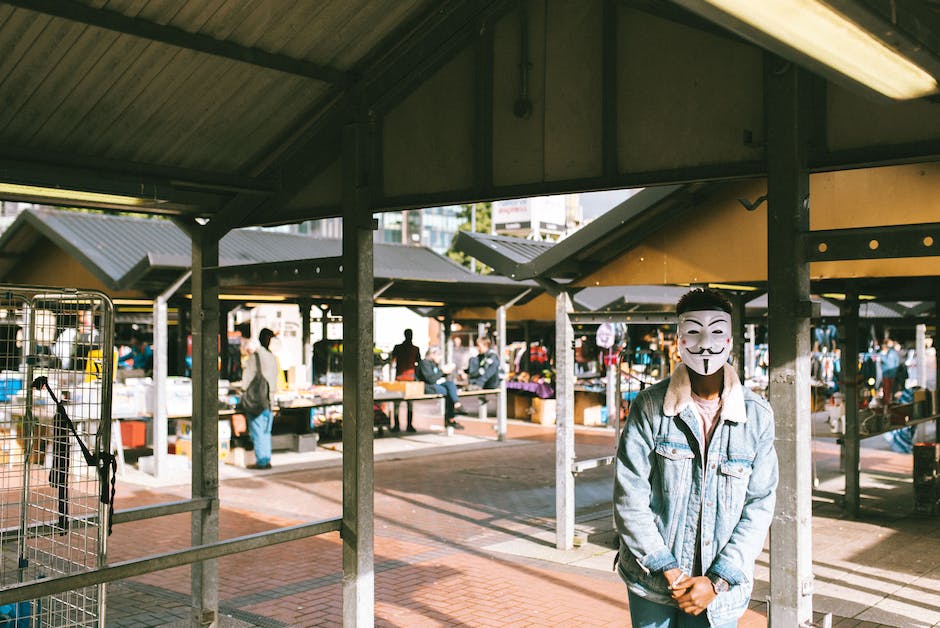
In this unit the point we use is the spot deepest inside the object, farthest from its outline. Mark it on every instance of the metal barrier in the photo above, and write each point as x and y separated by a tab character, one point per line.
52	519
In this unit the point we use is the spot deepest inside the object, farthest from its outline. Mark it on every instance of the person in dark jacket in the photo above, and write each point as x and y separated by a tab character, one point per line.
435	381
484	367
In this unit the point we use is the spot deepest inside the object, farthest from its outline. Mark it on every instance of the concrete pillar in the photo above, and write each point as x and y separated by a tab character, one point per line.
205	470
789	307
358	465
501	351
564	423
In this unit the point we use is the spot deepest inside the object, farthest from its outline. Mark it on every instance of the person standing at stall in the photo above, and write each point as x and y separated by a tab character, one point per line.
405	356
260	425
696	477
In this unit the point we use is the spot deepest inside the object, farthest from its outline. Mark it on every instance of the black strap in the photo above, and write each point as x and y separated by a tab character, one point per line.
102	461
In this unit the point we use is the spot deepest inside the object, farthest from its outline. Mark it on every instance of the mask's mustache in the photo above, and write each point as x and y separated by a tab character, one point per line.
704	350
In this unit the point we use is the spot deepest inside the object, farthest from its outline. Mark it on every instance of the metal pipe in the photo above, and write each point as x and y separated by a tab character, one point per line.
168	560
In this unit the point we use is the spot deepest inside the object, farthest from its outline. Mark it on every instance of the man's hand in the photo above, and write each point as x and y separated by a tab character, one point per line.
693	594
672	574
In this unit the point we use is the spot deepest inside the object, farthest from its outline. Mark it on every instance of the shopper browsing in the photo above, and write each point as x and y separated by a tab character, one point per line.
260	425
696	476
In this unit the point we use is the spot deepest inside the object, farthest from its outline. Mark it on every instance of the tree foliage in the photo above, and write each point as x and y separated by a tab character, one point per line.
484	215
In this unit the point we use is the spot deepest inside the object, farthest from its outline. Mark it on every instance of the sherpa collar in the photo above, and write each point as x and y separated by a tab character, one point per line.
679	394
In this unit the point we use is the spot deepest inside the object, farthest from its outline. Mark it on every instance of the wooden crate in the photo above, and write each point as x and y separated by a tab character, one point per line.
408	389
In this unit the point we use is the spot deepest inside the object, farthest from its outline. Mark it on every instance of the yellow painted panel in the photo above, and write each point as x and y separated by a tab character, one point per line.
541	308
718	241
895	195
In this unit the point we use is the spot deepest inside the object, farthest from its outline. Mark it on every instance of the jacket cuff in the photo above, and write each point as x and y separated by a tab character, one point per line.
727	572
658	562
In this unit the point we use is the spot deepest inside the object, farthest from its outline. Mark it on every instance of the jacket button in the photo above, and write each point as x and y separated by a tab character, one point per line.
674	451
713	466
707	543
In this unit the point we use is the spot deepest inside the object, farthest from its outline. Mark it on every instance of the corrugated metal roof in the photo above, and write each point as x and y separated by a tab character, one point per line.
120	249
78	88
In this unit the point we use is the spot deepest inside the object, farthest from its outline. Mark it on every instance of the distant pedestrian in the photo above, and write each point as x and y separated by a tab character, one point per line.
435	381
890	361
260	425
695	481
405	356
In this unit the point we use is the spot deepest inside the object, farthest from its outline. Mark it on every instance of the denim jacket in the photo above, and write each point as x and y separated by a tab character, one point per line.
663	492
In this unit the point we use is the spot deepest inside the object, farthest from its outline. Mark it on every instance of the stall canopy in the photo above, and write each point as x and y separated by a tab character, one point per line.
672	235
139	257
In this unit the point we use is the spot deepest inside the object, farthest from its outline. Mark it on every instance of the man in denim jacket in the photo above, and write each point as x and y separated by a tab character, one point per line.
696	480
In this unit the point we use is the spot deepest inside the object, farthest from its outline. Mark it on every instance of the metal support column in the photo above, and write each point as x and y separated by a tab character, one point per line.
738	300
564	426
205	473
305	305
501	351
849	384
358	468
789	307
920	351
161	344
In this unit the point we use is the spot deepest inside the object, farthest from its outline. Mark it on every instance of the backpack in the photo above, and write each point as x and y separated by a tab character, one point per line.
255	399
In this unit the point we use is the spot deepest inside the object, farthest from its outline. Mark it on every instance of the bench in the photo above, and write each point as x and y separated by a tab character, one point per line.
484	393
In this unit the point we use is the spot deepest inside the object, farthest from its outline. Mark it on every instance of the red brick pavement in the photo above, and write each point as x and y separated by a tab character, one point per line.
436	517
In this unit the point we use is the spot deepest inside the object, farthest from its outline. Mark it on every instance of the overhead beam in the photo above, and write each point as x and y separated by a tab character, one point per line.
248	274
137	27
920	240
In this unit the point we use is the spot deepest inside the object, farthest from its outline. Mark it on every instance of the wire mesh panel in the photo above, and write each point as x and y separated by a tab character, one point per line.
56	359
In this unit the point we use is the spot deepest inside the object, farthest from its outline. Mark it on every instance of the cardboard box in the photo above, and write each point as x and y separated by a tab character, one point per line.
408	389
184	443
592	415
518	405
241	457
543	411
586	402
133	434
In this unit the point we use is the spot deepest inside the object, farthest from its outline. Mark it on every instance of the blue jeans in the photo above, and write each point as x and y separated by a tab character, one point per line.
259	428
449	390
646	614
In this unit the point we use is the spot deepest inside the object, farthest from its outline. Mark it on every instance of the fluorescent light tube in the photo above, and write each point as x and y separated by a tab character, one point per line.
818	31
78	196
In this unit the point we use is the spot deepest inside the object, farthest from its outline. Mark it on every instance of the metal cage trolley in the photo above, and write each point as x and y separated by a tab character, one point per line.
56	467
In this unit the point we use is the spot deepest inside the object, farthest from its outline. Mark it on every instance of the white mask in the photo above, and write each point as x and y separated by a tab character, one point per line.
705	340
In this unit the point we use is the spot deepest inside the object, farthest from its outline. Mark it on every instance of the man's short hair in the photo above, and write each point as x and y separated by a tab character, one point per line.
264	337
703	299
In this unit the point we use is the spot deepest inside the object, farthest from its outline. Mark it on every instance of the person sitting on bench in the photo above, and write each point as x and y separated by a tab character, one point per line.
436	382
484	367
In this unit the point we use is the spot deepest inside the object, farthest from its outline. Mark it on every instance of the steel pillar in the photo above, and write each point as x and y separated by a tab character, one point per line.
305	306
501	350
789	307
205	472
564	423
738	301
160	371
358	468
849	384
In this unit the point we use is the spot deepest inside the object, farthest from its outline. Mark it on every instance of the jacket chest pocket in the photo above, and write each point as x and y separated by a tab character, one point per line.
675	460
733	478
